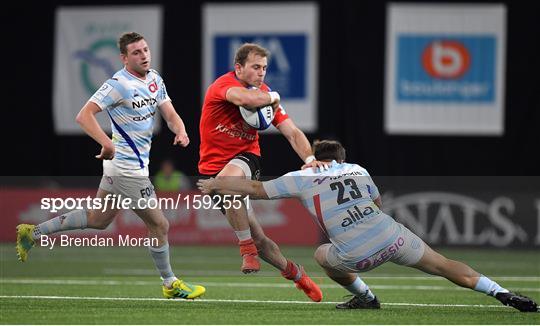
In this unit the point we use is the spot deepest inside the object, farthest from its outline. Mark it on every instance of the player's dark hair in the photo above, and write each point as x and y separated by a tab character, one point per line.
328	150
243	52
127	38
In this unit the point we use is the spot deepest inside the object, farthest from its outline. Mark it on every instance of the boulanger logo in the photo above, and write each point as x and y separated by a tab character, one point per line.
98	62
446	68
446	59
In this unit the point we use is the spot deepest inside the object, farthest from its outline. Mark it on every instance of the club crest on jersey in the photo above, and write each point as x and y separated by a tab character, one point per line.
153	87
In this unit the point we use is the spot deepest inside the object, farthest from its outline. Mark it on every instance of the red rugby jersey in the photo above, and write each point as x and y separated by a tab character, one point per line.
224	134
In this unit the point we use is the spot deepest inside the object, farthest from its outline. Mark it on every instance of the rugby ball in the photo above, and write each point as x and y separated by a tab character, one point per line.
259	119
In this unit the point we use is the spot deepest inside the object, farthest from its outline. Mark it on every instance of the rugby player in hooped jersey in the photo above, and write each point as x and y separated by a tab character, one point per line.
130	99
346	204
229	147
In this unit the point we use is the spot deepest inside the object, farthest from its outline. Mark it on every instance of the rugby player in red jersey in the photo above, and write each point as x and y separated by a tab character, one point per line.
230	148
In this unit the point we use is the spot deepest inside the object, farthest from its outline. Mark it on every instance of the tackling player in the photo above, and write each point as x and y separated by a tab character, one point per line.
346	204
230	147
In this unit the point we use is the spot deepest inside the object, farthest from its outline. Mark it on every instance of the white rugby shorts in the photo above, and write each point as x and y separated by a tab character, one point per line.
133	184
407	249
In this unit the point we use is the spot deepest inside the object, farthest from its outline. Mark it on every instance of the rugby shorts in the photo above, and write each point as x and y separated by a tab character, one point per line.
133	184
250	165
407	249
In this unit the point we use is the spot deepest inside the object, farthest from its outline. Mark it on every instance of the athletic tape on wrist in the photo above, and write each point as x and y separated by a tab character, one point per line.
274	96
310	159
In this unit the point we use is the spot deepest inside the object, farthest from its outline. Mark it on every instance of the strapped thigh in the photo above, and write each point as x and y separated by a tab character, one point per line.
249	163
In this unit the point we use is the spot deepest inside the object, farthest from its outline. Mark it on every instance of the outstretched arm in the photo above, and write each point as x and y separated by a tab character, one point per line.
175	123
296	138
232	186
300	144
87	120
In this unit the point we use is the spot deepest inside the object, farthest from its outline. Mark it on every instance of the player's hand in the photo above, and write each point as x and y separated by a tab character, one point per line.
205	185
323	166
107	153
274	98
181	139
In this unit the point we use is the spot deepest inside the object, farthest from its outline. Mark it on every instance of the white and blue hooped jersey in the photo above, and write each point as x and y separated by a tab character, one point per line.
341	202
131	104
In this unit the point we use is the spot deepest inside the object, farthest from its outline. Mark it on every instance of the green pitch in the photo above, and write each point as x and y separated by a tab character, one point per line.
120	286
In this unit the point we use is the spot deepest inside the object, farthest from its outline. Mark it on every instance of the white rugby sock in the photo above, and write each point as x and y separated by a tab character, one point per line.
160	255
169	281
243	235
360	289
73	220
489	287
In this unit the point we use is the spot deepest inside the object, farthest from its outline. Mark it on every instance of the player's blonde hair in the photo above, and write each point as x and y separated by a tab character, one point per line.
243	52
127	38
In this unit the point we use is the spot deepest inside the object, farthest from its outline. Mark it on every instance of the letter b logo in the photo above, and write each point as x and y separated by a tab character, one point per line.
446	59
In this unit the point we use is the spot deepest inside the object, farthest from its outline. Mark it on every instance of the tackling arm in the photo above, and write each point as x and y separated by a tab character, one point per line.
233	186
